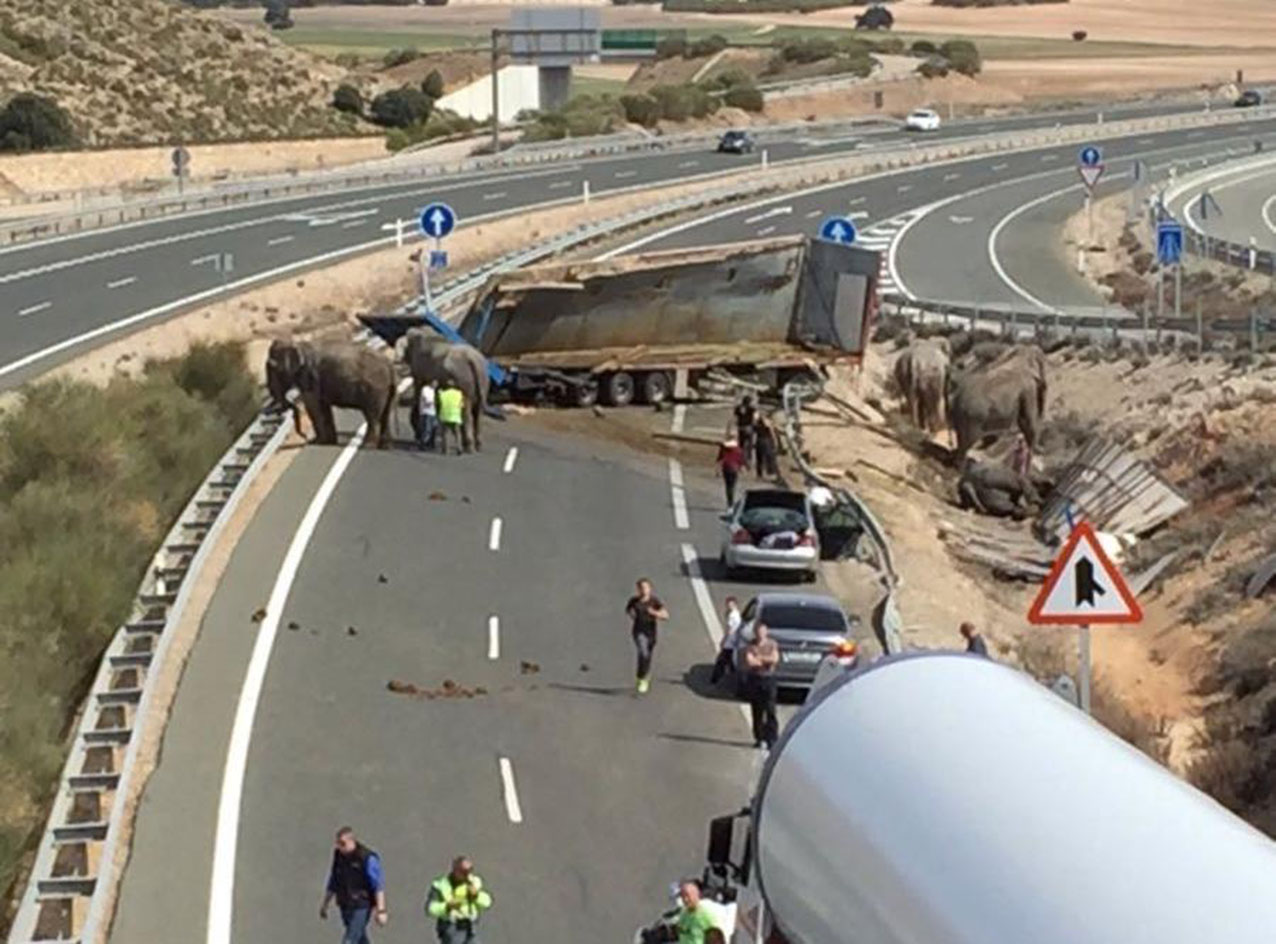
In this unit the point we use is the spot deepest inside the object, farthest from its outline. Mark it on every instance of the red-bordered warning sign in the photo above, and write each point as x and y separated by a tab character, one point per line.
1084	587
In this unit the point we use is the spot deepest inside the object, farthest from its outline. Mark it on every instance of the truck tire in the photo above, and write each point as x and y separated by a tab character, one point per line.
656	387
619	388
584	394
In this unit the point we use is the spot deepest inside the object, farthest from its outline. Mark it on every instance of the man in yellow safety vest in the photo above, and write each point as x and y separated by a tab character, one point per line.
451	406
455	903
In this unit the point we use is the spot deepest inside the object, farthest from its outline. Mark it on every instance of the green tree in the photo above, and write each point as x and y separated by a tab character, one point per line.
30	122
876	17
962	56
432	85
640	109
401	107
278	16
744	96
347	98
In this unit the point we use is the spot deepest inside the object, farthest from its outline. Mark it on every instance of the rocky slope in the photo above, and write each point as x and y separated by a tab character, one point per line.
148	71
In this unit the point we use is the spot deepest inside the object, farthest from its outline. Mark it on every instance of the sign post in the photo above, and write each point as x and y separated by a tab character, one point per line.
1084	588
838	229
1169	251
1090	167
437	220
181	164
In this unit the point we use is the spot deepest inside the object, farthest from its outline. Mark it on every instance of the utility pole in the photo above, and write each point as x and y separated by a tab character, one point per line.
496	93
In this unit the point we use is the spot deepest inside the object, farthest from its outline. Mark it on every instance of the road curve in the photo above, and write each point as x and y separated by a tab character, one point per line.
1240	206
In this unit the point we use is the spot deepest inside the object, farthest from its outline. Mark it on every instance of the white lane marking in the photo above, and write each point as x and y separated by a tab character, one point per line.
1268	220
1144	141
1049	157
622	174
758	218
512	809
704	603
685	164
856	202
221	894
494	535
858	215
120	283
765	230
951	176
277	241
493	637
559	185
1000	166
510	458
204	260
1196	134
680	520
679	417
903	188
813	214
33	309
353	223
500	194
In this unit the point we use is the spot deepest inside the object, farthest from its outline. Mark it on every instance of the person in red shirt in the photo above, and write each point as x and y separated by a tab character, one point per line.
730	462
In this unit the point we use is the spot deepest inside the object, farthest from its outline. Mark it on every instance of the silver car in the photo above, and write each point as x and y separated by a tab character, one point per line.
806	627
771	529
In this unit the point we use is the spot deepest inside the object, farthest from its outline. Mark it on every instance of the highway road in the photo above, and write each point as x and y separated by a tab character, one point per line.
1242	204
62	295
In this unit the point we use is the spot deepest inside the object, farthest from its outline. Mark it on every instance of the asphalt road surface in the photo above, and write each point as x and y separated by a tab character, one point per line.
58	296
1243	205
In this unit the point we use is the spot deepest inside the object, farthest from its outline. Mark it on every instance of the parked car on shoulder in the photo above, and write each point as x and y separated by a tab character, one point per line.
807	628
771	529
736	142
1249	98
922	119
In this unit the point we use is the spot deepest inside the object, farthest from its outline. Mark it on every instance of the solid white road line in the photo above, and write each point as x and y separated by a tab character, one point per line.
494	535
679	417
221	895
33	309
704	603
1268	219
493	637
120	283
510	458
277	241
680	520
512	809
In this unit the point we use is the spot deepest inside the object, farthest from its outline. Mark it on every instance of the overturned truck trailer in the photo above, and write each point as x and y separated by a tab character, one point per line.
640	327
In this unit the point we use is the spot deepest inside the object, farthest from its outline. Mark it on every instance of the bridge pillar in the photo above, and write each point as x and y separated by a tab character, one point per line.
555	86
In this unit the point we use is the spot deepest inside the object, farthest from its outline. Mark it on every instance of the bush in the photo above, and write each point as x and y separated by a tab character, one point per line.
640	109
90	480
32	123
923	48
746	97
401	108
729	79
808	50
582	116
709	46
936	67
680	102
671	47
398	57
962	56
440	124
1078	35
278	16
876	17
432	85
349	99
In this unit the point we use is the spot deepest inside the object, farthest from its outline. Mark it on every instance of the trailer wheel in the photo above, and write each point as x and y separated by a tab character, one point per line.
619	389
655	387
584	394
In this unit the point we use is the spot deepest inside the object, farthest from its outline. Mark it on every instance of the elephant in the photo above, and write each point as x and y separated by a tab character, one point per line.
333	374
432	358
996	490
1011	391
921	372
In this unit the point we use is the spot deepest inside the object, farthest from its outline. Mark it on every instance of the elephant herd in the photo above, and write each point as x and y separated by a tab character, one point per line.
1008	392
349	375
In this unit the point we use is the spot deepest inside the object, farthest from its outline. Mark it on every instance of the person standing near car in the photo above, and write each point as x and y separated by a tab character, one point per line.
726	652
764	448
746	417
730	461
761	656
355	880
645	610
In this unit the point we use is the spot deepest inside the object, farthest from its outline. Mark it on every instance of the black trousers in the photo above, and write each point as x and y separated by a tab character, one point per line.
729	477
762	697
720	665
765	460
645	644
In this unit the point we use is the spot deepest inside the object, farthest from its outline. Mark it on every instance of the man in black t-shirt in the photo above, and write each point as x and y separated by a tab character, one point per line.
646	610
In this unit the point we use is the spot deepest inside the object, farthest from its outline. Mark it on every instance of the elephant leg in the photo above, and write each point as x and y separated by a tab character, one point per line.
467	419
329	424
314	412
416	408
968	496
477	413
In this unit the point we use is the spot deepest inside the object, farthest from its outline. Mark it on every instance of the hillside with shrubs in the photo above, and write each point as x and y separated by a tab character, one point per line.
128	72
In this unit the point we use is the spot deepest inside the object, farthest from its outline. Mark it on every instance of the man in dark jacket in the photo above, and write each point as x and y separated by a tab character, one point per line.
357	883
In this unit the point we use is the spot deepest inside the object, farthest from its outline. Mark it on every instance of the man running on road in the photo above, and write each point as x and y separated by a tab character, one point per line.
356	881
646	610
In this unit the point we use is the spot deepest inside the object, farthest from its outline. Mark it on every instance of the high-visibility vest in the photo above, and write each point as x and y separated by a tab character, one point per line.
451	404
469	904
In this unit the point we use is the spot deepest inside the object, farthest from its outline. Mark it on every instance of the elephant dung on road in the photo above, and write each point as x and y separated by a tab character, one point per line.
1009	392
334	374
921	372
434	359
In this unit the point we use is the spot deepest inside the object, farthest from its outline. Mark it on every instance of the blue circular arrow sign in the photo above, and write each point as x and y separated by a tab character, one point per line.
437	220
1090	156
838	229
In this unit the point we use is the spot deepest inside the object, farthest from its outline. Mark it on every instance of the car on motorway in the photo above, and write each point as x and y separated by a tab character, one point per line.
771	529
736	142
1249	98
922	119
807	627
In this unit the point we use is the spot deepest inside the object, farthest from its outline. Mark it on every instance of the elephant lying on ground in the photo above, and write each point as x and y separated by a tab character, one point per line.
921	371
1009	392
996	490
434	359
334	374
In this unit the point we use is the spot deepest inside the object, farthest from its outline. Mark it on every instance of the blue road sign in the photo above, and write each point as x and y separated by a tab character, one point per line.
438	259
437	220
1090	156
838	229
1169	243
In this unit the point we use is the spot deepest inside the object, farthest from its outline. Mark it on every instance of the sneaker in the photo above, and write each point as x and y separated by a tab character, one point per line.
643	686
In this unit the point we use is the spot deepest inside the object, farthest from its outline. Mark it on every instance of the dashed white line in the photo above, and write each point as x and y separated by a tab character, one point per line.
685	164
766	230
858	215
512	809
120	283
1000	166
559	185
277	241
510	458
493	637
33	309
680	520
1049	157
903	188
951	176
352	224
813	214
759	217
679	417
494	535
622	174
203	260
495	196
856	202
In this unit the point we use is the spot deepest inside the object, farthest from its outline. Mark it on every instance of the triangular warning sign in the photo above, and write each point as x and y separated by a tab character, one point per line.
1084	587
1090	173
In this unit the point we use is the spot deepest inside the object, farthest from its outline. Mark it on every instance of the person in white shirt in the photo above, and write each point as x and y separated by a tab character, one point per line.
427	419
730	641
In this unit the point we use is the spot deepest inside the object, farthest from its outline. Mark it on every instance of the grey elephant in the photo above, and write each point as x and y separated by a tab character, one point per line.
1009	392
921	372
334	374
432	358
996	490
